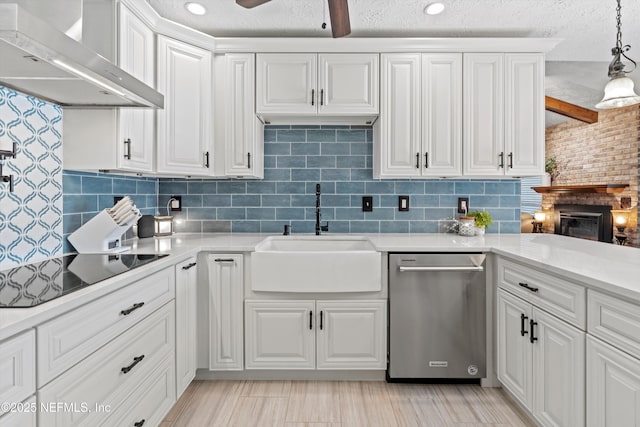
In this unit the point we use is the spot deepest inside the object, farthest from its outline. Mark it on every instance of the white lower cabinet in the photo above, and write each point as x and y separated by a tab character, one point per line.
540	361
226	287
23	415
613	386
108	377
186	322
308	334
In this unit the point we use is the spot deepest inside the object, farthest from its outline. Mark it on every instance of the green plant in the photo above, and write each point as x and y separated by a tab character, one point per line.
551	166
483	218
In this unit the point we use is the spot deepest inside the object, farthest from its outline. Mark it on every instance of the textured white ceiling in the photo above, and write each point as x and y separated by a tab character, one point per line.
587	26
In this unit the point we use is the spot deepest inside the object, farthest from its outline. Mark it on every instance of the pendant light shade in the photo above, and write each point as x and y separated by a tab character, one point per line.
618	93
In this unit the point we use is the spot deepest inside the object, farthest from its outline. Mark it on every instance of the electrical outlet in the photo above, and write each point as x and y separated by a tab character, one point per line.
367	203
176	204
463	205
403	203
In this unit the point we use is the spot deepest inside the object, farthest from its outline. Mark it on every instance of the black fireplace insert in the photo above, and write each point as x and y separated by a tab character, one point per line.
591	222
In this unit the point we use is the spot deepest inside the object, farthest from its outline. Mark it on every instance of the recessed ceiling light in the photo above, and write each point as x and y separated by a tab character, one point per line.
196	8
434	8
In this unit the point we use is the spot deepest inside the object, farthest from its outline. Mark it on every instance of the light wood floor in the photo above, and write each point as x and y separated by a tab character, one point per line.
341	404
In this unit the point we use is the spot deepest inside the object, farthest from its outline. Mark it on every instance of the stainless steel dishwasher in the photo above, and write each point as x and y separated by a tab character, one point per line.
437	313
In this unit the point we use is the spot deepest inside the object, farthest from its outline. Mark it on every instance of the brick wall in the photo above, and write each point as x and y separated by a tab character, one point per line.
606	152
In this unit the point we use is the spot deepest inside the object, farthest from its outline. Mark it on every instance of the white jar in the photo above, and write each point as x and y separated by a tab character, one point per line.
467	226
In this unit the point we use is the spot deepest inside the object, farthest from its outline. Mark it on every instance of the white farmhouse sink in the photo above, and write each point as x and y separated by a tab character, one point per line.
316	264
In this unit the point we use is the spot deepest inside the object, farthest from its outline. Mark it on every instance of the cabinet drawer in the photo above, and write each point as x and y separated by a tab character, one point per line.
108	376
17	368
73	336
149	402
614	321
24	416
560	297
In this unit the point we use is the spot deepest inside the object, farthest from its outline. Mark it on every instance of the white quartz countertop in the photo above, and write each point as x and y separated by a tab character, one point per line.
606	267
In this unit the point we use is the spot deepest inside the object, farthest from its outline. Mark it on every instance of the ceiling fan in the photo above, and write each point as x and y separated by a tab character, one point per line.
338	12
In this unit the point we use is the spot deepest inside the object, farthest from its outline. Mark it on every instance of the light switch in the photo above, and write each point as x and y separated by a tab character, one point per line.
367	204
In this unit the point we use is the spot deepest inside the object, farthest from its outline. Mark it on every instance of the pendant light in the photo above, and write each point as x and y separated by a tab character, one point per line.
619	91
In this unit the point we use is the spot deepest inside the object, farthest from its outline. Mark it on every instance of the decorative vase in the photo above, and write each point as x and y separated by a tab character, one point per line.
545	181
466	226
480	231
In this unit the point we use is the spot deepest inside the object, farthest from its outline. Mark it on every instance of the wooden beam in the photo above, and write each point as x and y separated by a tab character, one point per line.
570	110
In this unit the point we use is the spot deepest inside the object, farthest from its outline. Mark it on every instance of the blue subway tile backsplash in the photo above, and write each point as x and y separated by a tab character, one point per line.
339	158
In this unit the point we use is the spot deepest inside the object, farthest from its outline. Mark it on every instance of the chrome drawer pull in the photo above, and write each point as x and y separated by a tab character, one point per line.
403	269
136	360
526	286
132	309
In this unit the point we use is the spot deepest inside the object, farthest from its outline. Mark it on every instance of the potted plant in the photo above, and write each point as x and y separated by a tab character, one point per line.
483	220
551	169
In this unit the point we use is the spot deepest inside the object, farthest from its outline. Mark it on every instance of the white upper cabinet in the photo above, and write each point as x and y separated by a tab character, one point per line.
286	83
311	84
442	114
184	125
348	84
524	114
503	114
483	114
120	139
418	133
137	57
239	135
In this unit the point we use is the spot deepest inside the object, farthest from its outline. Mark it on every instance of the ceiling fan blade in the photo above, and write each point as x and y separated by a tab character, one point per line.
251	3
339	13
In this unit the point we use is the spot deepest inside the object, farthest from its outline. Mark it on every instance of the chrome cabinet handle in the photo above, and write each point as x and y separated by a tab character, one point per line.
510	160
403	269
127	143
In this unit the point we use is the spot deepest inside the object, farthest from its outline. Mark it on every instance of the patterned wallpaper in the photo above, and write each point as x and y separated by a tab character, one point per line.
340	159
31	216
86	194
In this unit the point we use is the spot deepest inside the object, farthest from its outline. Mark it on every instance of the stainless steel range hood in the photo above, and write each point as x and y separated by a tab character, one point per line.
38	59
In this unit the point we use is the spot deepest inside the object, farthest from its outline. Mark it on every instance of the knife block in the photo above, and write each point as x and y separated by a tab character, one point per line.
101	234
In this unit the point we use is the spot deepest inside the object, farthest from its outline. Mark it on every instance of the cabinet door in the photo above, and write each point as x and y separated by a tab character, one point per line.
244	133
397	143
483	126
136	125
514	358
226	285
186	302
442	114
280	334
613	386
286	83
348	84
351	334
524	114
184	134
558	367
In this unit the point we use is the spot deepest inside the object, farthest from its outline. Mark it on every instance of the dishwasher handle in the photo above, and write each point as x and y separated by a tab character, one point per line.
444	268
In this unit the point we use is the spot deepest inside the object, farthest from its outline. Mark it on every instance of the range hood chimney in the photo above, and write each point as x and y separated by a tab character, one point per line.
39	59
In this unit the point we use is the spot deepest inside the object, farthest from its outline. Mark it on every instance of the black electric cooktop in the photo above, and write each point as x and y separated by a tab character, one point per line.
33	284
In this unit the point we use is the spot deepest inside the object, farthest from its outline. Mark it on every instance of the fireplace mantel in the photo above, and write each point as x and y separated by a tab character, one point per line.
598	188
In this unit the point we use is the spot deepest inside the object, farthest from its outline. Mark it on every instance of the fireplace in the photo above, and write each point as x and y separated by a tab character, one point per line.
591	222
